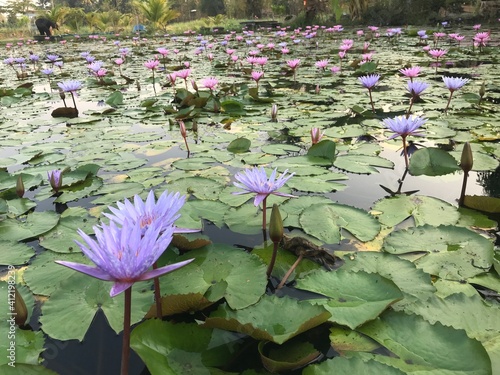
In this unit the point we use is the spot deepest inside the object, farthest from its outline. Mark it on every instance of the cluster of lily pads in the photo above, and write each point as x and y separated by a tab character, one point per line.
415	275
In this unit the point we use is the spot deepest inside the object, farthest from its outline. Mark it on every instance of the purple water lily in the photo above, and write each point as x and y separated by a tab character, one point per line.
125	254
403	126
453	84
255	181
370	81
72	87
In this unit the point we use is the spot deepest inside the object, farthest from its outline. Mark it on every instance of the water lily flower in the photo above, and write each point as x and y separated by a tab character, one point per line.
210	83
255	181
125	254
184	74
453	84
153	65
316	135
370	81
415	88
71	86
256	76
411	72
55	179
321	64
437	54
403	126
293	64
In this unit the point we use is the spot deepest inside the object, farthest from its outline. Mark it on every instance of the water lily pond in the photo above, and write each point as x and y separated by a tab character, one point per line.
394	277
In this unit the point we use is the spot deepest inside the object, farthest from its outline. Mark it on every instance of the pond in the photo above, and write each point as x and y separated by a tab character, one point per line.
414	273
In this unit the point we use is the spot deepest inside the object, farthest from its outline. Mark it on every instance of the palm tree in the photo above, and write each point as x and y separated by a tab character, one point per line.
157	12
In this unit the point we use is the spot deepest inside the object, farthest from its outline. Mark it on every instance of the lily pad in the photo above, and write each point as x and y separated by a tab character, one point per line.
392	211
261	321
353	297
35	224
15	253
326	222
432	162
168	348
448	252
423	353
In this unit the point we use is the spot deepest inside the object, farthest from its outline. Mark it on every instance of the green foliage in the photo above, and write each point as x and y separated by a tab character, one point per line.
157	13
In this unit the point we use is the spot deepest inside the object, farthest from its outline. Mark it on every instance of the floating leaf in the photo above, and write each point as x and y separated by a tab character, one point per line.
168	348
239	146
61	238
431	161
69	311
392	211
263	323
353	297
481	203
291	355
448	252
341	365
324	149
361	163
419	346
326	222
35	224
14	253
115	99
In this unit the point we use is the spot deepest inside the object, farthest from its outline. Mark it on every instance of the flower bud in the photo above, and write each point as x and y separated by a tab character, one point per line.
20	309
275	225
20	186
274	113
317	91
466	161
195	86
482	90
183	129
55	179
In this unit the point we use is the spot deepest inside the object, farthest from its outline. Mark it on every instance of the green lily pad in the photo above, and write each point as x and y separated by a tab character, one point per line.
15	253
194	164
326	222
168	348
28	344
291	355
432	162
324	149
449	252
361	163
392	211
112	193
353	297
69	311
218	271
239	145
481	203
35	224
201	187
341	365
61	238
261	321
423	353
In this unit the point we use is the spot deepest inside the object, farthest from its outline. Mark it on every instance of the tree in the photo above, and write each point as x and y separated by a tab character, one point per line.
212	7
157	12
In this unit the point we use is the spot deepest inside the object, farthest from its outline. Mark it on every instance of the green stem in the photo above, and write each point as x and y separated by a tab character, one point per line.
157	293
464	185
264	222
289	272
371	100
126	332
405	151
449	101
273	259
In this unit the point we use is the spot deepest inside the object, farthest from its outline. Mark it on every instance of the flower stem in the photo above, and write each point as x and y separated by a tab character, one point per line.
73	97
289	272
464	185
405	151
264	222
409	109
449	101
273	259
154	86
157	292
371	100
126	332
